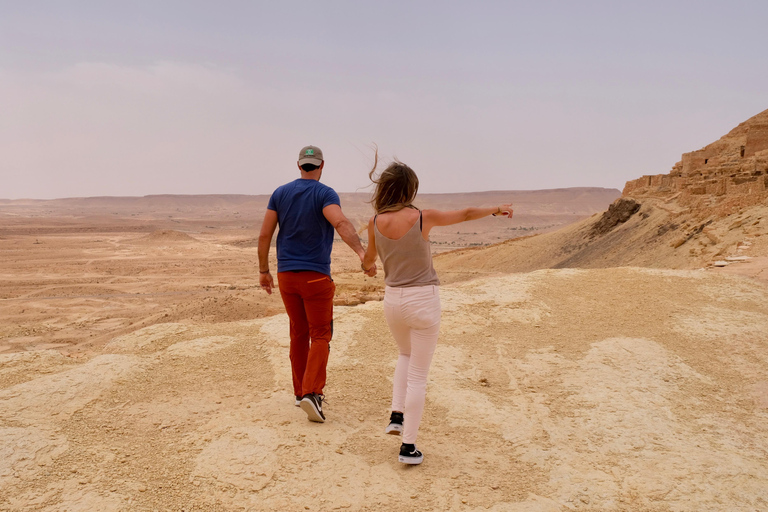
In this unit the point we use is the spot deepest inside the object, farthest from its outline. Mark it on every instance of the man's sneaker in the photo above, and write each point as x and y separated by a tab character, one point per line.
409	454
395	426
298	401
312	404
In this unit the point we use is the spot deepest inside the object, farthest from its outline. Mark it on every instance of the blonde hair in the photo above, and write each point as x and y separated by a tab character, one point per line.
396	186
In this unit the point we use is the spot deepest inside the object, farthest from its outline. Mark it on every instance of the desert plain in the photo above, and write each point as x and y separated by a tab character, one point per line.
142	368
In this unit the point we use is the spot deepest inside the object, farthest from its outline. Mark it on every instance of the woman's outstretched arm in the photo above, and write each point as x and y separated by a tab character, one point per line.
434	218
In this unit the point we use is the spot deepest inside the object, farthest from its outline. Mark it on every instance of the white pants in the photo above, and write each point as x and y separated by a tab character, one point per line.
413	315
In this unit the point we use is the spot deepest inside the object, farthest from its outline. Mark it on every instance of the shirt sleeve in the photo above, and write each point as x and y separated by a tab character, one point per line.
272	205
330	197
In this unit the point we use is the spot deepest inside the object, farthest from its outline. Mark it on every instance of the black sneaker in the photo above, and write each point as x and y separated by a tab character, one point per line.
297	403
395	426
312	404
409	454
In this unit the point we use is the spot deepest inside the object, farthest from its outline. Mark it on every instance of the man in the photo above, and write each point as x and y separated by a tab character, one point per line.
307	212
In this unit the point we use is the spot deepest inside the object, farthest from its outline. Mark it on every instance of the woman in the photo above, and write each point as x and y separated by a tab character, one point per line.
399	234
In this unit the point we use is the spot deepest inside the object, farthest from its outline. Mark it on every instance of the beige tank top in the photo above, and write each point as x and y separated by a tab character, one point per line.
408	260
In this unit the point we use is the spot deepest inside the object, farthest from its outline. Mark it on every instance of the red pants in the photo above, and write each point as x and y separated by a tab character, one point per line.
308	299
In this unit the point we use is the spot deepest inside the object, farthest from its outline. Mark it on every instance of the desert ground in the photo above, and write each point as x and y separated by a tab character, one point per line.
74	273
141	368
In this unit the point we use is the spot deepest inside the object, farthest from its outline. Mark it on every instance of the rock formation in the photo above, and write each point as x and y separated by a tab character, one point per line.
722	177
711	209
618	213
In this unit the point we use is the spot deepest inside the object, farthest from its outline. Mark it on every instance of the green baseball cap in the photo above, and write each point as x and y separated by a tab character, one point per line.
310	155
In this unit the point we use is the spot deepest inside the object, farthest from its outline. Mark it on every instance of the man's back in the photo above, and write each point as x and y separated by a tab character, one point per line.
305	238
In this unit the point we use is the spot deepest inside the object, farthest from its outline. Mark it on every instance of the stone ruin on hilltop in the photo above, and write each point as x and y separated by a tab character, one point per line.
722	177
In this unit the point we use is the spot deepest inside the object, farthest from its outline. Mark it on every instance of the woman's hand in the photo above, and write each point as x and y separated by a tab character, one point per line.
505	210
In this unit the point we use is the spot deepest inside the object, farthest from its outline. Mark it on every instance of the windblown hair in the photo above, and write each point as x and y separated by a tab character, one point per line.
396	187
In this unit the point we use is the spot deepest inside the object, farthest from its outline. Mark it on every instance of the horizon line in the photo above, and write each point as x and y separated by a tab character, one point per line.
146	196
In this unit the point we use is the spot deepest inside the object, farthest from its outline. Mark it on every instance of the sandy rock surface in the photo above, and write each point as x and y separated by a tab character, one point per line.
606	389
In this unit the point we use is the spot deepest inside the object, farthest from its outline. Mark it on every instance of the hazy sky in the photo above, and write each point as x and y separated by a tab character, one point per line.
190	97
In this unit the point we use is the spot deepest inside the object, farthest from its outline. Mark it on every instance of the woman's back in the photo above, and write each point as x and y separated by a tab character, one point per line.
404	252
394	225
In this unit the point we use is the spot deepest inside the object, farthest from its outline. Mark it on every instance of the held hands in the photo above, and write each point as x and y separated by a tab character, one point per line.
370	272
504	210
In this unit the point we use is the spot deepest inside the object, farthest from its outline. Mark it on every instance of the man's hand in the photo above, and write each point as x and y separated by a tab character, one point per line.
266	282
265	240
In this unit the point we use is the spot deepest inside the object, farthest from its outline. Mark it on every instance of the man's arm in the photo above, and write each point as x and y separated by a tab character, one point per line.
344	228
265	240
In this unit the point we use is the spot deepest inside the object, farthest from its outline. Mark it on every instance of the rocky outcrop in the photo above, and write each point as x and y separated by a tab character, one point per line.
712	208
727	175
618	213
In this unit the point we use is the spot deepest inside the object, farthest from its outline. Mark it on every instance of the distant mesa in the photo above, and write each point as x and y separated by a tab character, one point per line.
168	235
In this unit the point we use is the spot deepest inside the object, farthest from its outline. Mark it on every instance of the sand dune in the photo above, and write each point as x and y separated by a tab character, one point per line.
167	236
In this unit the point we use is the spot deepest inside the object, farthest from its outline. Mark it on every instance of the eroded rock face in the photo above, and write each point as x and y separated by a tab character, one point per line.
618	213
728	174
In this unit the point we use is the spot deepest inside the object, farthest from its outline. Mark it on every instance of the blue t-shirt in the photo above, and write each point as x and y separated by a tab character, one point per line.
305	238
